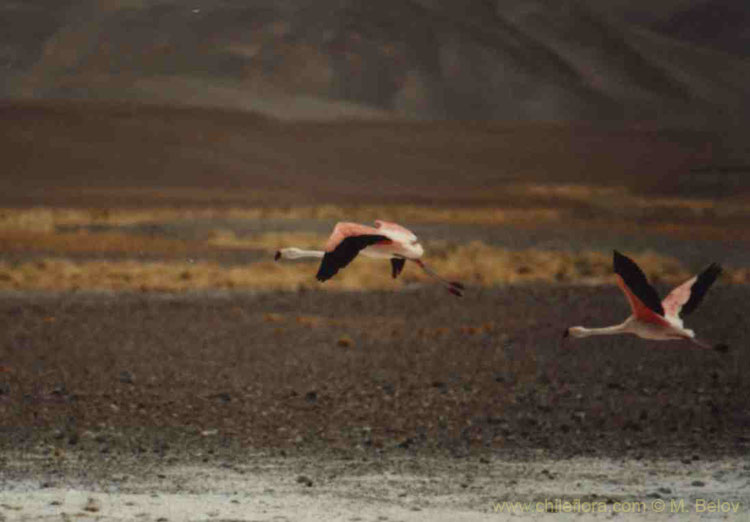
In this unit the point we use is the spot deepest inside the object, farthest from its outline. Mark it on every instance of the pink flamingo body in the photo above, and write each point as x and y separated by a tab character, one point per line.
384	241
651	318
398	240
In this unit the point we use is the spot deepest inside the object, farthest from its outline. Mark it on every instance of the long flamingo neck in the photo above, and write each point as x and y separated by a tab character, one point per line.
298	253
580	331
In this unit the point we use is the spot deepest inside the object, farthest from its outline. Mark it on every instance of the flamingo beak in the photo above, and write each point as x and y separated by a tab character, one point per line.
277	256
566	333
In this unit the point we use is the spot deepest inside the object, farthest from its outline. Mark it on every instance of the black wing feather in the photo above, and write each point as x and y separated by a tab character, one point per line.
636	280
397	265
700	287
344	253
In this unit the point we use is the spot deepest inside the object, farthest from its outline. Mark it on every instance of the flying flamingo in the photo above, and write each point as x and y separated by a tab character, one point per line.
652	318
385	241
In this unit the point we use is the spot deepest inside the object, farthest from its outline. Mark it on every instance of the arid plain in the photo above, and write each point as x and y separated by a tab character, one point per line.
148	331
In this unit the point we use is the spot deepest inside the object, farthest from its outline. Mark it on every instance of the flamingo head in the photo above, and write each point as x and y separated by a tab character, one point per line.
289	253
296	253
575	331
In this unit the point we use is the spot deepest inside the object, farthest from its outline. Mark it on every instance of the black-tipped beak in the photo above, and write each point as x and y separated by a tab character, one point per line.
721	348
277	256
566	333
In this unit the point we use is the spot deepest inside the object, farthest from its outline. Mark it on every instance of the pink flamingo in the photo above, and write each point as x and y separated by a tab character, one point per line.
652	318
385	241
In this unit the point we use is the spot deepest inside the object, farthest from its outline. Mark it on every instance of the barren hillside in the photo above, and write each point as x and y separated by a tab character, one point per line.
530	60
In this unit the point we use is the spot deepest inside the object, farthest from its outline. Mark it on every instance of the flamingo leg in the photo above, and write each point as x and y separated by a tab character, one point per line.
453	287
720	347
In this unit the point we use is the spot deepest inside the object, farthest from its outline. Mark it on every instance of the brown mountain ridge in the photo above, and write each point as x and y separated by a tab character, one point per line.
415	59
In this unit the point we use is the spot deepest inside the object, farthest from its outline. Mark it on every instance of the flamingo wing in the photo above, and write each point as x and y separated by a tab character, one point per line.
395	232
641	295
640	310
346	250
343	230
685	298
397	265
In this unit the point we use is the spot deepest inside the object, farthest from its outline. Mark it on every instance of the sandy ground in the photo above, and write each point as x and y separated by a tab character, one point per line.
367	488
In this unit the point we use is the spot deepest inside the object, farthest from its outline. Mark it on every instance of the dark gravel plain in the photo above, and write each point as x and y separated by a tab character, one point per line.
409	371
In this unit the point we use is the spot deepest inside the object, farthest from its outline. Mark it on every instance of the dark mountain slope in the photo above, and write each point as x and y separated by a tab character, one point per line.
424	59
721	24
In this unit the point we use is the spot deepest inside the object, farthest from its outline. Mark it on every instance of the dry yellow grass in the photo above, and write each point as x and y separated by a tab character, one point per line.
475	263
270	241
47	219
60	274
602	195
82	241
532	202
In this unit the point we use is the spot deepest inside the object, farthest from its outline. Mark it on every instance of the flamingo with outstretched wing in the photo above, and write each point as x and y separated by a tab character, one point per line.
652	318
385	241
